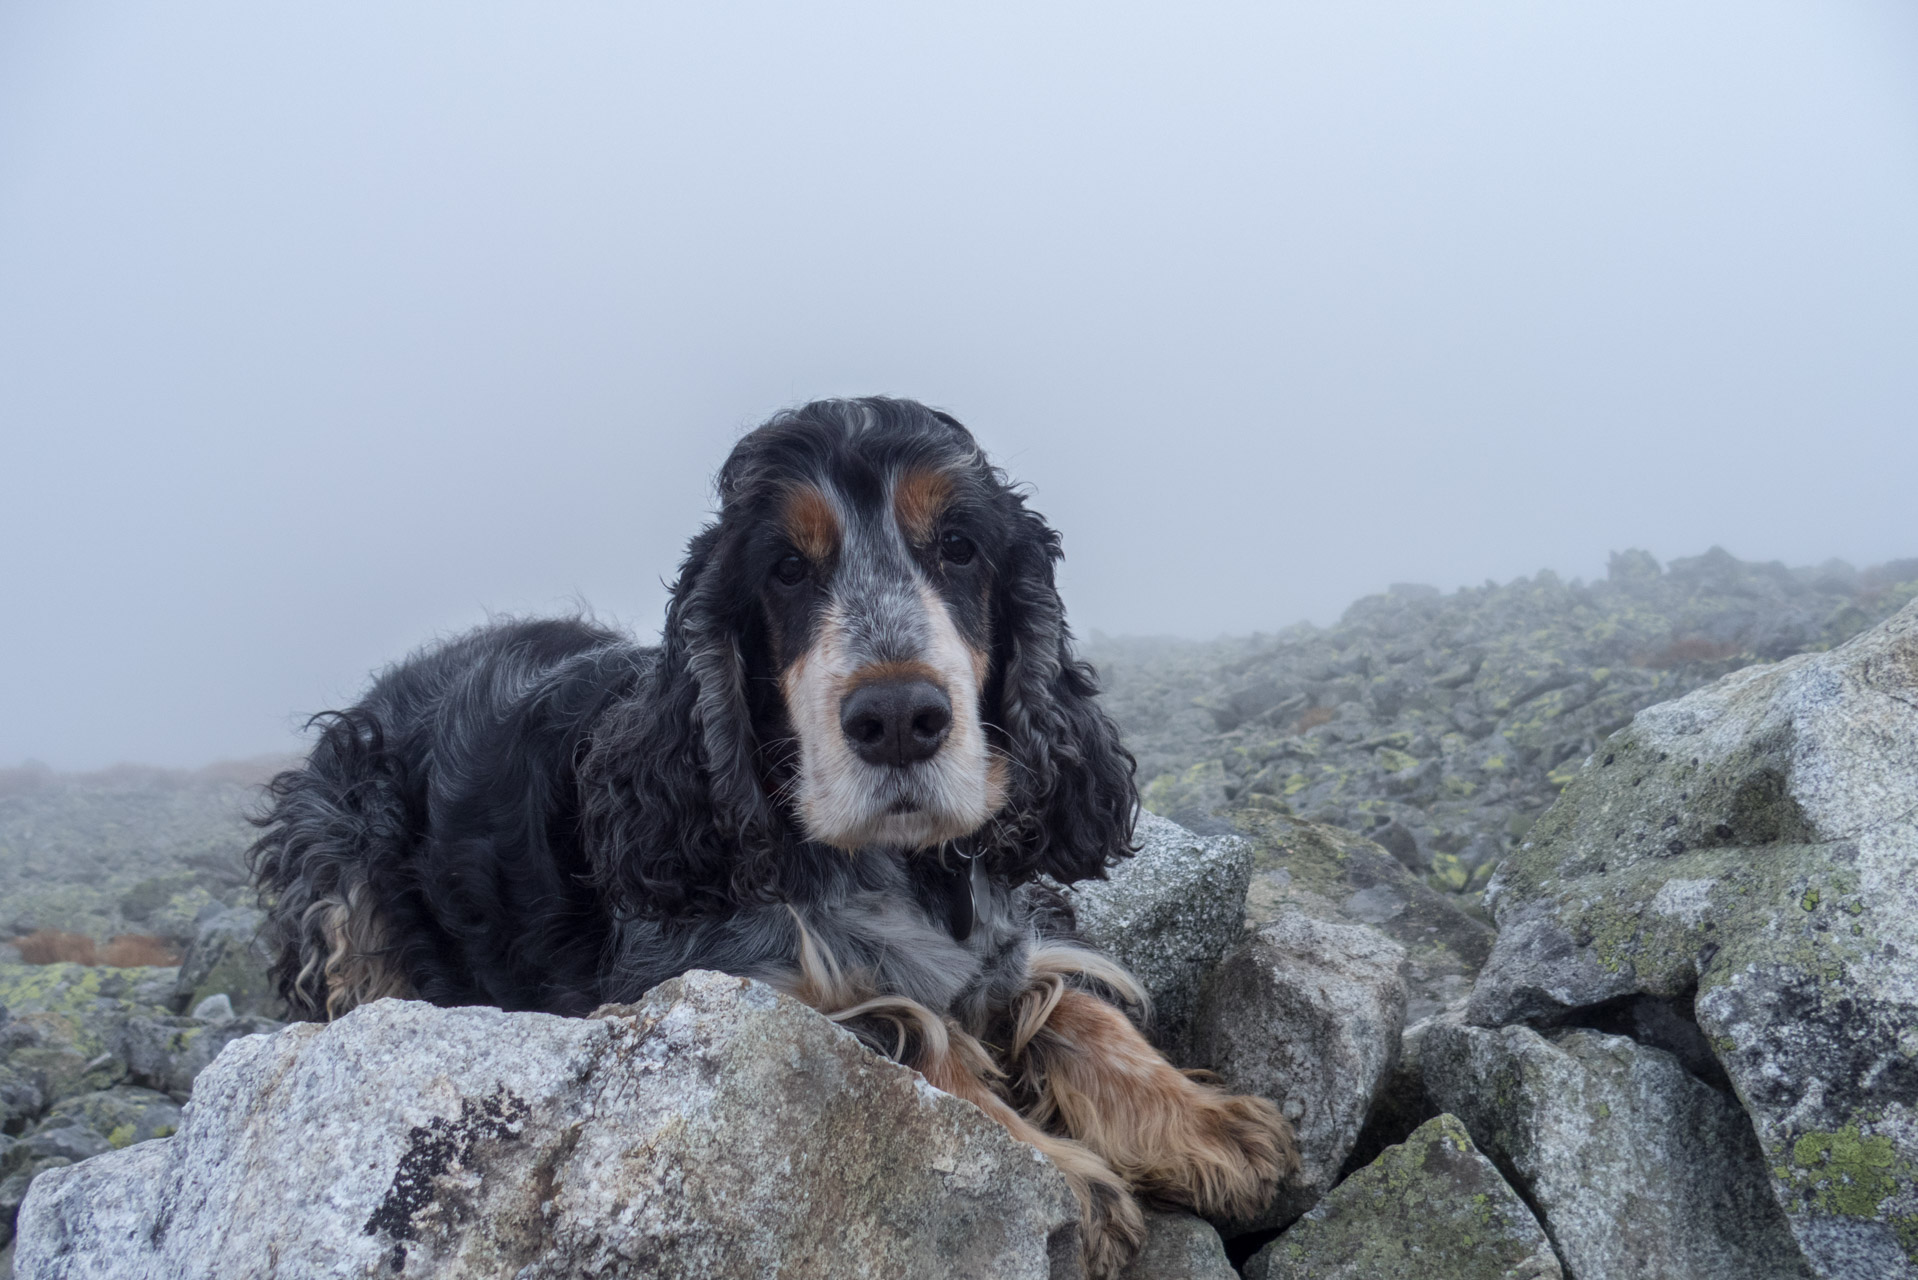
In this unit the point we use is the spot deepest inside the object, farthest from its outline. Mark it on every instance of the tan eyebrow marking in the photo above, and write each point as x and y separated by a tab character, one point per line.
918	496
811	522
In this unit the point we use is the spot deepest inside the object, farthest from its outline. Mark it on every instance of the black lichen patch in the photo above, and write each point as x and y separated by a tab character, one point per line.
434	1148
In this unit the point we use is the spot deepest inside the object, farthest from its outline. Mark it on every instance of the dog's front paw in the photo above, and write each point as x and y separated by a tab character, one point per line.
1113	1223
1248	1150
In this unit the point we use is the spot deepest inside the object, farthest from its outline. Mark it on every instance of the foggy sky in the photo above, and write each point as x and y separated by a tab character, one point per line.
325	329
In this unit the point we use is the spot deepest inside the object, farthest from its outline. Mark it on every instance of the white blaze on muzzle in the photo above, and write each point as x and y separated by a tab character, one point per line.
885	618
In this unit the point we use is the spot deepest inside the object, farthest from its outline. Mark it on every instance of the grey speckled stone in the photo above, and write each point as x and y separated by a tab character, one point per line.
1640	1170
1757	840
1430	1209
1179	1246
169	1053
230	957
1169	914
716	1129
1338	876
123	1115
1308	1014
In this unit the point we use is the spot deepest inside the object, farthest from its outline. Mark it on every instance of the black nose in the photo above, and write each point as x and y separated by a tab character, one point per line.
896	722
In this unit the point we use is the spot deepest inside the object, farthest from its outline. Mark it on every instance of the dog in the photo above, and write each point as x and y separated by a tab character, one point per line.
861	742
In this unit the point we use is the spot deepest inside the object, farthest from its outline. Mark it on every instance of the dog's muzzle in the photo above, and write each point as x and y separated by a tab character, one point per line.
896	722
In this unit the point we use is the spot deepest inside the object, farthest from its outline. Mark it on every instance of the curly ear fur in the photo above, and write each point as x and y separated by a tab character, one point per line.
328	831
673	810
1074	798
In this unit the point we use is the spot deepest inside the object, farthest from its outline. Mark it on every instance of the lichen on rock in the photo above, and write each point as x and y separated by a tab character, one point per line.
1432	1208
1753	847
1452	721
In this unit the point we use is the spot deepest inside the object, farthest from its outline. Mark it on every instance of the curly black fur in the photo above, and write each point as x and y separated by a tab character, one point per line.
542	814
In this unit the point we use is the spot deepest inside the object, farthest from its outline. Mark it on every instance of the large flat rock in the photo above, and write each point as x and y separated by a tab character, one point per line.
1756	843
716	1129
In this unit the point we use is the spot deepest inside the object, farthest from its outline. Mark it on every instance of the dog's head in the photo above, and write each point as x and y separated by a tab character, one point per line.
865	650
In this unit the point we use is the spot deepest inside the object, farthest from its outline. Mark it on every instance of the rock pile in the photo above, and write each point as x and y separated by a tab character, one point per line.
1638	1167
1442	726
93	1059
1686	1050
1748	857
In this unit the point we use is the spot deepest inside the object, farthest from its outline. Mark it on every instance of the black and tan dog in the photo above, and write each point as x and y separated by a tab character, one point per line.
862	737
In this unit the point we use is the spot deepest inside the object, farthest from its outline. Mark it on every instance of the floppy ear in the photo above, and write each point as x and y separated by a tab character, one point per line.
675	819
1071	810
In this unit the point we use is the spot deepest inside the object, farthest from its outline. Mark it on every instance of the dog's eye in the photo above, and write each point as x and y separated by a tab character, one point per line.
956	548
791	569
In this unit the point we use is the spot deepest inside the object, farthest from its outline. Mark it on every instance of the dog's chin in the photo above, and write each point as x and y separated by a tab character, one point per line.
857	806
902	828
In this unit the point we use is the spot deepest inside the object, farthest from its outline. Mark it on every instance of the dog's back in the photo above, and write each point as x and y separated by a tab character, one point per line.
430	845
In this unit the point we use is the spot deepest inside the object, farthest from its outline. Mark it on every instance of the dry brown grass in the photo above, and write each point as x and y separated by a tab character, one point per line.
130	950
51	946
1313	718
126	951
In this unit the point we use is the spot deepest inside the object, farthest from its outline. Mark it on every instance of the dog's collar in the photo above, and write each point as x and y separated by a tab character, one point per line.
965	892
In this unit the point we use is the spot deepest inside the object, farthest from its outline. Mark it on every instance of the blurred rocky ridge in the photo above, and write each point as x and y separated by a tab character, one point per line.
125	852
1441	726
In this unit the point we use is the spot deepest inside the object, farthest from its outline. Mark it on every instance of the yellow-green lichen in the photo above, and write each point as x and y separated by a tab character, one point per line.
1906	1229
1846	1172
1449	873
1200	786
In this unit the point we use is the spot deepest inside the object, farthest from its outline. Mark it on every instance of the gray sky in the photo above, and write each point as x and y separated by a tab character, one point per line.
325	329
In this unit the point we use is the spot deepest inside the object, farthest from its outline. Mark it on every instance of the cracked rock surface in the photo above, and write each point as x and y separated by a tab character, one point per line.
1640	1170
